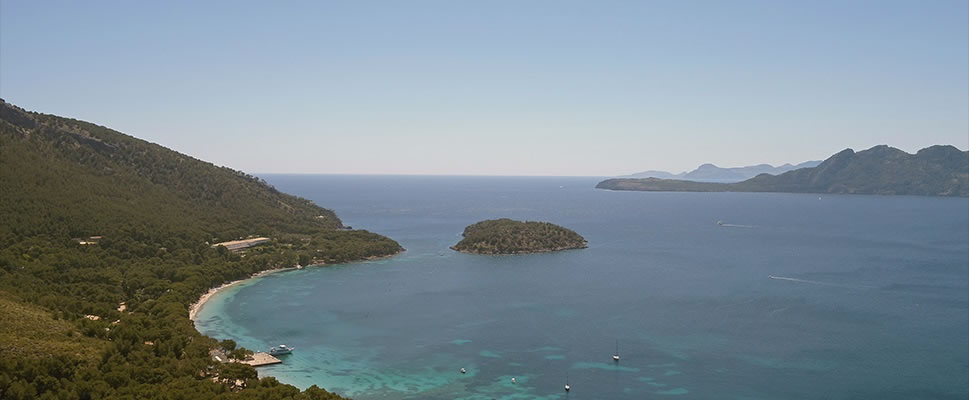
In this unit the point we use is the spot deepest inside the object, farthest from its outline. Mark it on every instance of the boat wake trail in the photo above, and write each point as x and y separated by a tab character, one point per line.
784	278
771	314
736	226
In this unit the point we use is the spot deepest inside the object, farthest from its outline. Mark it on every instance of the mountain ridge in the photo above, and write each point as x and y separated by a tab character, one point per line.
709	172
940	170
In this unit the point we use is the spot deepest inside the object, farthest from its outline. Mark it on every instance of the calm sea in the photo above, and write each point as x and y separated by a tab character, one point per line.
794	297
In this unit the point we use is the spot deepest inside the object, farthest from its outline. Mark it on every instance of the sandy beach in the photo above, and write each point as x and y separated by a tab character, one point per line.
195	307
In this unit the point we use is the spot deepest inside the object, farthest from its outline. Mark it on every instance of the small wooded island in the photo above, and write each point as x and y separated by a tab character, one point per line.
506	236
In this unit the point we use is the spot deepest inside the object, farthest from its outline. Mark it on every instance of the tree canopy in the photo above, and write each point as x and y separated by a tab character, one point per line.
506	236
93	219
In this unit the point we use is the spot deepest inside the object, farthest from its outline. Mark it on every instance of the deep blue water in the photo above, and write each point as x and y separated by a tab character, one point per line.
872	300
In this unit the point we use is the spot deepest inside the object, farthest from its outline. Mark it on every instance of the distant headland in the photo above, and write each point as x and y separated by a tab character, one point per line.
506	236
933	171
712	173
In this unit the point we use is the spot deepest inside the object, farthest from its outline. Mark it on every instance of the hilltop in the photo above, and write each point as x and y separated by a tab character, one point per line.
506	236
101	181
932	171
106	239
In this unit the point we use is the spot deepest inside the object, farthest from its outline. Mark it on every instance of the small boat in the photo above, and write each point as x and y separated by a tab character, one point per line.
615	357
720	222
513	380
464	371
567	386
280	350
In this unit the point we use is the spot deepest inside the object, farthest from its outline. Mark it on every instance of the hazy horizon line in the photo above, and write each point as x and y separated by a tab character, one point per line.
579	176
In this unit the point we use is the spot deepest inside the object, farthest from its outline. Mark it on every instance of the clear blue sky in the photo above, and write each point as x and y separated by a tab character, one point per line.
497	87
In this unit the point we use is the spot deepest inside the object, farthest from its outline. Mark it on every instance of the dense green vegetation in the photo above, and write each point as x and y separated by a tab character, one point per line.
505	236
62	332
933	171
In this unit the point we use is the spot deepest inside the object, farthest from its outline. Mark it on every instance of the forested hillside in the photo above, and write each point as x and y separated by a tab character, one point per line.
153	214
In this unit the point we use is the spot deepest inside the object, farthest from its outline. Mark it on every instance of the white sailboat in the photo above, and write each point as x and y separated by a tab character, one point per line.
615	357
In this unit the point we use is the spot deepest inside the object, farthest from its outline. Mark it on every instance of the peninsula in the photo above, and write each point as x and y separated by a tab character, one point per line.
933	171
506	236
105	242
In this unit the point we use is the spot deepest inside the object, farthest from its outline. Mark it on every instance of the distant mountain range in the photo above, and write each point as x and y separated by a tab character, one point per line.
713	173
933	171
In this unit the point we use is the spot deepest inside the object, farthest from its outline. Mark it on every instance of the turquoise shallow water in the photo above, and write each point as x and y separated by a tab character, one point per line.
871	298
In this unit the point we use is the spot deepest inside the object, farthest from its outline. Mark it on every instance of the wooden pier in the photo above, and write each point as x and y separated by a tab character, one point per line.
262	358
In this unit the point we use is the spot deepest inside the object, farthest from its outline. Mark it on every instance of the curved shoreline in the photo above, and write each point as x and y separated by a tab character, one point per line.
194	309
